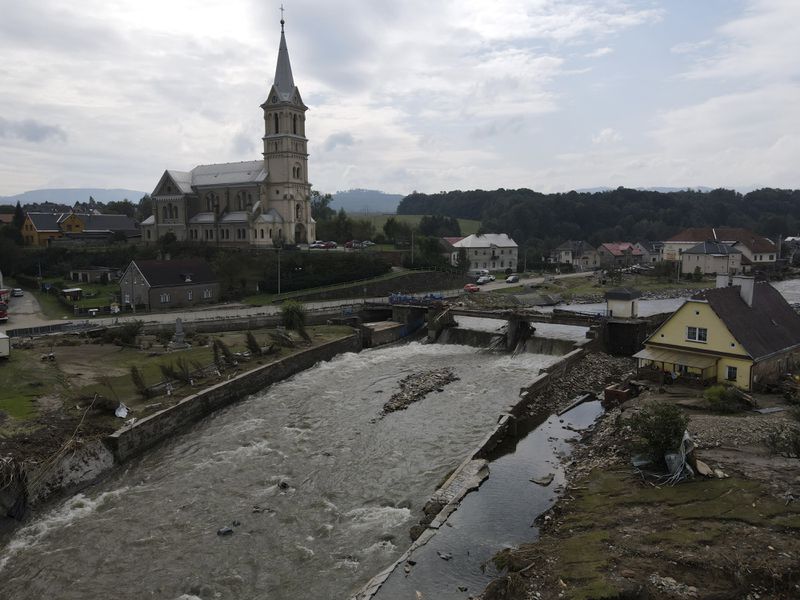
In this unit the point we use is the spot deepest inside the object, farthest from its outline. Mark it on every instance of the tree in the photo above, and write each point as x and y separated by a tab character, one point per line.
19	217
439	226
145	208
293	317
320	206
123	207
660	428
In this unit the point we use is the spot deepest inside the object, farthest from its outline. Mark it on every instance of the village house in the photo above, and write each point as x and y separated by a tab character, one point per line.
618	255
162	284
711	258
651	251
743	333
579	254
42	228
492	251
757	250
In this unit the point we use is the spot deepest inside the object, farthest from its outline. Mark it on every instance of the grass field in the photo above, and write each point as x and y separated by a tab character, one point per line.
467	226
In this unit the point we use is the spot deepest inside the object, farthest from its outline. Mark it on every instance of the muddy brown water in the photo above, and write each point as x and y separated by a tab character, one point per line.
324	491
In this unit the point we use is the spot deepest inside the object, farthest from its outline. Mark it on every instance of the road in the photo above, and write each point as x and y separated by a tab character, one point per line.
501	284
25	311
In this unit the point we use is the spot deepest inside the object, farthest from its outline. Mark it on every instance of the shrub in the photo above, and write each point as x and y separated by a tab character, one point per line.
138	382
784	440
253	345
723	399
222	354
293	317
660	428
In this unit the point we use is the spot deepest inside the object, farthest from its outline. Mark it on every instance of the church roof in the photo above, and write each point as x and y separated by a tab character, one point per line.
234	217
284	81
182	179
251	171
271	216
203	217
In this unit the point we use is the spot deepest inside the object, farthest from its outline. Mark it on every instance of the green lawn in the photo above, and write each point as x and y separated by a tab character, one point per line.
378	220
24	377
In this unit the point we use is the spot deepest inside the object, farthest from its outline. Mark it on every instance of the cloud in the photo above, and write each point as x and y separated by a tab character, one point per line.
244	144
690	47
606	135
599	52
338	139
30	130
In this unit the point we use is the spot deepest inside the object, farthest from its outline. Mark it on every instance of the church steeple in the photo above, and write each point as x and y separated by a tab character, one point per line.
284	82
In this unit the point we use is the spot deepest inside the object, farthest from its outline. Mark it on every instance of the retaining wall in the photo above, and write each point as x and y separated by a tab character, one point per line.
133	439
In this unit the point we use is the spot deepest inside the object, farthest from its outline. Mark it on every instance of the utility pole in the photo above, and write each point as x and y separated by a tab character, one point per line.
412	247
279	270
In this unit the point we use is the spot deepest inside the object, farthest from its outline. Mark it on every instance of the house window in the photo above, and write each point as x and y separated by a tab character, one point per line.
731	374
164	298
189	295
127	299
697	334
772	257
206	293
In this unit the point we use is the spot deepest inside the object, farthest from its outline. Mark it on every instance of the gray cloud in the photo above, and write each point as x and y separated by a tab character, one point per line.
338	139
30	130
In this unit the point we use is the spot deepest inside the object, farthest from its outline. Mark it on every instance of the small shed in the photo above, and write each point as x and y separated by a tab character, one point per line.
72	294
623	303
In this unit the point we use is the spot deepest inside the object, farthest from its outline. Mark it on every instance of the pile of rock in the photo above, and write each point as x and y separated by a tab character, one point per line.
415	387
590	374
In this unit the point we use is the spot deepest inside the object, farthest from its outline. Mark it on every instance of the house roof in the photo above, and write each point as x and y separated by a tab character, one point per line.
92	223
769	326
162	273
108	223
452	240
753	241
621	248
45	221
712	247
6	217
487	240
579	248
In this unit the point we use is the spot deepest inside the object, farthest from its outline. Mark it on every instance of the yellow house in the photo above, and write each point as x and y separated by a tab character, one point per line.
743	333
40	228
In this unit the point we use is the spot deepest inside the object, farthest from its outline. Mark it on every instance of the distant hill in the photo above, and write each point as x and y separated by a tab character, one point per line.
70	196
663	190
371	201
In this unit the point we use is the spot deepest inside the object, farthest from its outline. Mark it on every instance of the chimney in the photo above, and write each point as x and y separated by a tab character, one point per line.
723	280
746	289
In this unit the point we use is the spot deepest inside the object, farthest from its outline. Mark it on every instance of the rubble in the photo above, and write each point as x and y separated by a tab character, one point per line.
415	387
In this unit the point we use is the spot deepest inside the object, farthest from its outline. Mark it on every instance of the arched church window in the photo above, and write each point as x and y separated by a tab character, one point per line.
164	213
276	122
262	233
298	211
270	232
294	124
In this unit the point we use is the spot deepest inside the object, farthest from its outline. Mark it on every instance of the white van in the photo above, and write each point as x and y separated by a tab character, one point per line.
479	273
5	345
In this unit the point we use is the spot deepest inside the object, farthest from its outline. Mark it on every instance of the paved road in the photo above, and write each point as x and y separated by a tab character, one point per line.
25	311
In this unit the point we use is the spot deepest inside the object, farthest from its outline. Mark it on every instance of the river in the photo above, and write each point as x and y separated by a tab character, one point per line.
323	488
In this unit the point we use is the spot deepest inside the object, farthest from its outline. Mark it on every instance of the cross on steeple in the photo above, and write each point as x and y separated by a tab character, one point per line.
282	21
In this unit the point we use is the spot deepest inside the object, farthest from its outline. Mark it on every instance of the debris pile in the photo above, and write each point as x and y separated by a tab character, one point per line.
592	373
415	387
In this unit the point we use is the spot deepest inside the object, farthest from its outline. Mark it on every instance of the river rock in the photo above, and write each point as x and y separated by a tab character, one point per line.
415	387
543	481
222	531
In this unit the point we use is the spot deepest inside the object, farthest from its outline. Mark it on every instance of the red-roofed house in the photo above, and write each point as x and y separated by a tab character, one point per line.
619	254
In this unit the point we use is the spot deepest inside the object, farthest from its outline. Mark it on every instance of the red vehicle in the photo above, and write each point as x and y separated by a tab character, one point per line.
5	294
3	311
471	287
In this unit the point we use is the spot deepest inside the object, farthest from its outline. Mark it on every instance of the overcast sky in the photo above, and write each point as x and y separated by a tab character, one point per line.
407	95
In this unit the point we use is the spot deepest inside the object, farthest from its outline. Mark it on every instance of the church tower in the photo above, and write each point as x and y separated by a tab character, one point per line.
287	189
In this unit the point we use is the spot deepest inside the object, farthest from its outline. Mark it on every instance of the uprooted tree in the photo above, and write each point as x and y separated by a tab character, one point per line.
293	317
660	429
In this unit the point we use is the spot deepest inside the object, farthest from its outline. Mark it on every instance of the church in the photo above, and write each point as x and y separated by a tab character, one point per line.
260	203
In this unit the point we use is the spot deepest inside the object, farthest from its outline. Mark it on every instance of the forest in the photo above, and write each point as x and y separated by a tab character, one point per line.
543	221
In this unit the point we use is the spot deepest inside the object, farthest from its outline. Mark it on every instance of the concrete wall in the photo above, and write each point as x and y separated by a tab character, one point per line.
143	434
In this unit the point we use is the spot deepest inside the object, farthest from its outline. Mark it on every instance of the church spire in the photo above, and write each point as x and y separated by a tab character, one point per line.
284	82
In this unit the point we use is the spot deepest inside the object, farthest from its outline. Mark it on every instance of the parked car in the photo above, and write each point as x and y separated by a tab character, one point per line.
512	279
317	244
471	287
329	245
483	279
17	292
355	244
367	243
491	277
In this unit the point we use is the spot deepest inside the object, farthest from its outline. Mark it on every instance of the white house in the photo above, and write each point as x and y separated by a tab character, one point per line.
492	251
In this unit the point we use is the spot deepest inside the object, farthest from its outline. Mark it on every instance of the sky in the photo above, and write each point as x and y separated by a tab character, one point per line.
432	95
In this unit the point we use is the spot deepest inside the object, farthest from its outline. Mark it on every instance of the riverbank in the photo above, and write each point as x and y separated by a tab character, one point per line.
65	434
615	535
